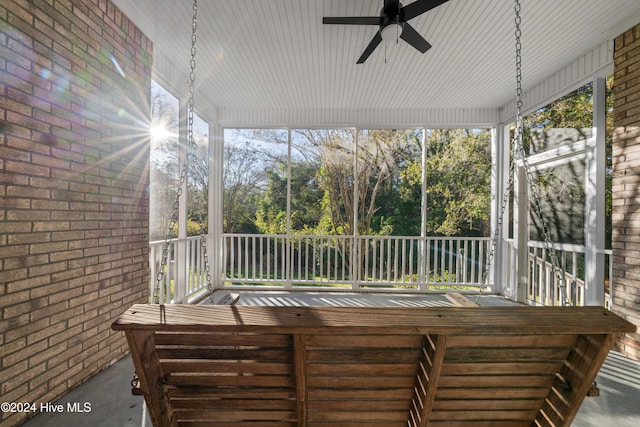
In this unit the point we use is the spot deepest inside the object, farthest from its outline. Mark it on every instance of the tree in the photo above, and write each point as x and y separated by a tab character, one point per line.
458	177
243	184
306	200
198	183
378	159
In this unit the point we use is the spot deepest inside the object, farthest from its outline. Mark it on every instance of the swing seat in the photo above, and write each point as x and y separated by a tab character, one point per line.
362	366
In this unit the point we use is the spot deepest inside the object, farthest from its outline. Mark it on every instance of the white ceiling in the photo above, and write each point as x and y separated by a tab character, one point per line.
277	54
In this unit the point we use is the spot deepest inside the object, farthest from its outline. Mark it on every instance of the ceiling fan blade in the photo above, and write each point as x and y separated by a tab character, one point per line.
411	36
419	7
352	20
372	46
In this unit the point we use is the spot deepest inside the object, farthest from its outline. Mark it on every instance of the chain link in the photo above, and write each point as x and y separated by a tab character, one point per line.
517	147
191	150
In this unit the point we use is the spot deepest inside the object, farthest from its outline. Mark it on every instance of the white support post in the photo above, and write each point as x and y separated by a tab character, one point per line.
498	183
424	250
521	233
355	247
595	200
216	242
181	278
289	246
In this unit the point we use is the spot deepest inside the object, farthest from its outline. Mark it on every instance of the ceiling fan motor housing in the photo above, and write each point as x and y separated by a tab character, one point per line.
391	21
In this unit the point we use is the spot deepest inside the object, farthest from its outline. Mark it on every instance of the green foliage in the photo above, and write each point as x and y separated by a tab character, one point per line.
458	182
306	196
195	228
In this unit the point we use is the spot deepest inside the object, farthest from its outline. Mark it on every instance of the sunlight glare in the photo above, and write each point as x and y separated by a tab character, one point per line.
159	132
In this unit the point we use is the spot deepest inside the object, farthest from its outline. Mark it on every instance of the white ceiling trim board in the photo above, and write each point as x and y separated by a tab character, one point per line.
435	118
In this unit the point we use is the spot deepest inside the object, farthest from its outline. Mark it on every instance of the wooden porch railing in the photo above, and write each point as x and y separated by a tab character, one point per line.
570	289
364	264
361	263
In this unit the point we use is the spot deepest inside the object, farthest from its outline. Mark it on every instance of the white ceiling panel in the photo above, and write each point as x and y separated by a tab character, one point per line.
277	54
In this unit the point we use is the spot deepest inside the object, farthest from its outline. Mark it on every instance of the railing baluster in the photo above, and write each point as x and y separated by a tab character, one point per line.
336	259
260	257
253	257
284	266
473	277
343	246
412	269
380	245
578	283
300	258
427	270
452	252
235	266
364	244
306	262
442	253
404	261
465	261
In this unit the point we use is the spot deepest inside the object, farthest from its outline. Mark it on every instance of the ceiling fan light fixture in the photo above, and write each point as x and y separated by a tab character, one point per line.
391	32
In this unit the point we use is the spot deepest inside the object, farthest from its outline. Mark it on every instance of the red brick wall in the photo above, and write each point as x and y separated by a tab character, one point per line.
626	185
73	191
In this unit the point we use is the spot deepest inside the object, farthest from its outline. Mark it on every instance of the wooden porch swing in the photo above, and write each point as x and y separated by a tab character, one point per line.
344	366
256	366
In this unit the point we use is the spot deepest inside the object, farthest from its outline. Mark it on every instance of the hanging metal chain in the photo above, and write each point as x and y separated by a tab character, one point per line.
167	241
192	143
514	149
191	149
517	147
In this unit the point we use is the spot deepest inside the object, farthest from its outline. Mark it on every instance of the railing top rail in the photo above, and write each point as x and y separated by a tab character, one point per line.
175	239
570	247
334	236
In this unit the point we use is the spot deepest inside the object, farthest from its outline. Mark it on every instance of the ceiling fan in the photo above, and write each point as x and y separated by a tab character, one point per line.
392	24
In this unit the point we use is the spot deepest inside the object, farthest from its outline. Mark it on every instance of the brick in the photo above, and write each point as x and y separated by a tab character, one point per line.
13	251
45	333
20	283
40	248
9	153
14	202
16	297
27	168
67	274
28	192
50	226
16	370
23	354
18	239
48	183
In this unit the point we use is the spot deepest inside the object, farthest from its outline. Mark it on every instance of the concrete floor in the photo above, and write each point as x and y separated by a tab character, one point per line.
112	404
